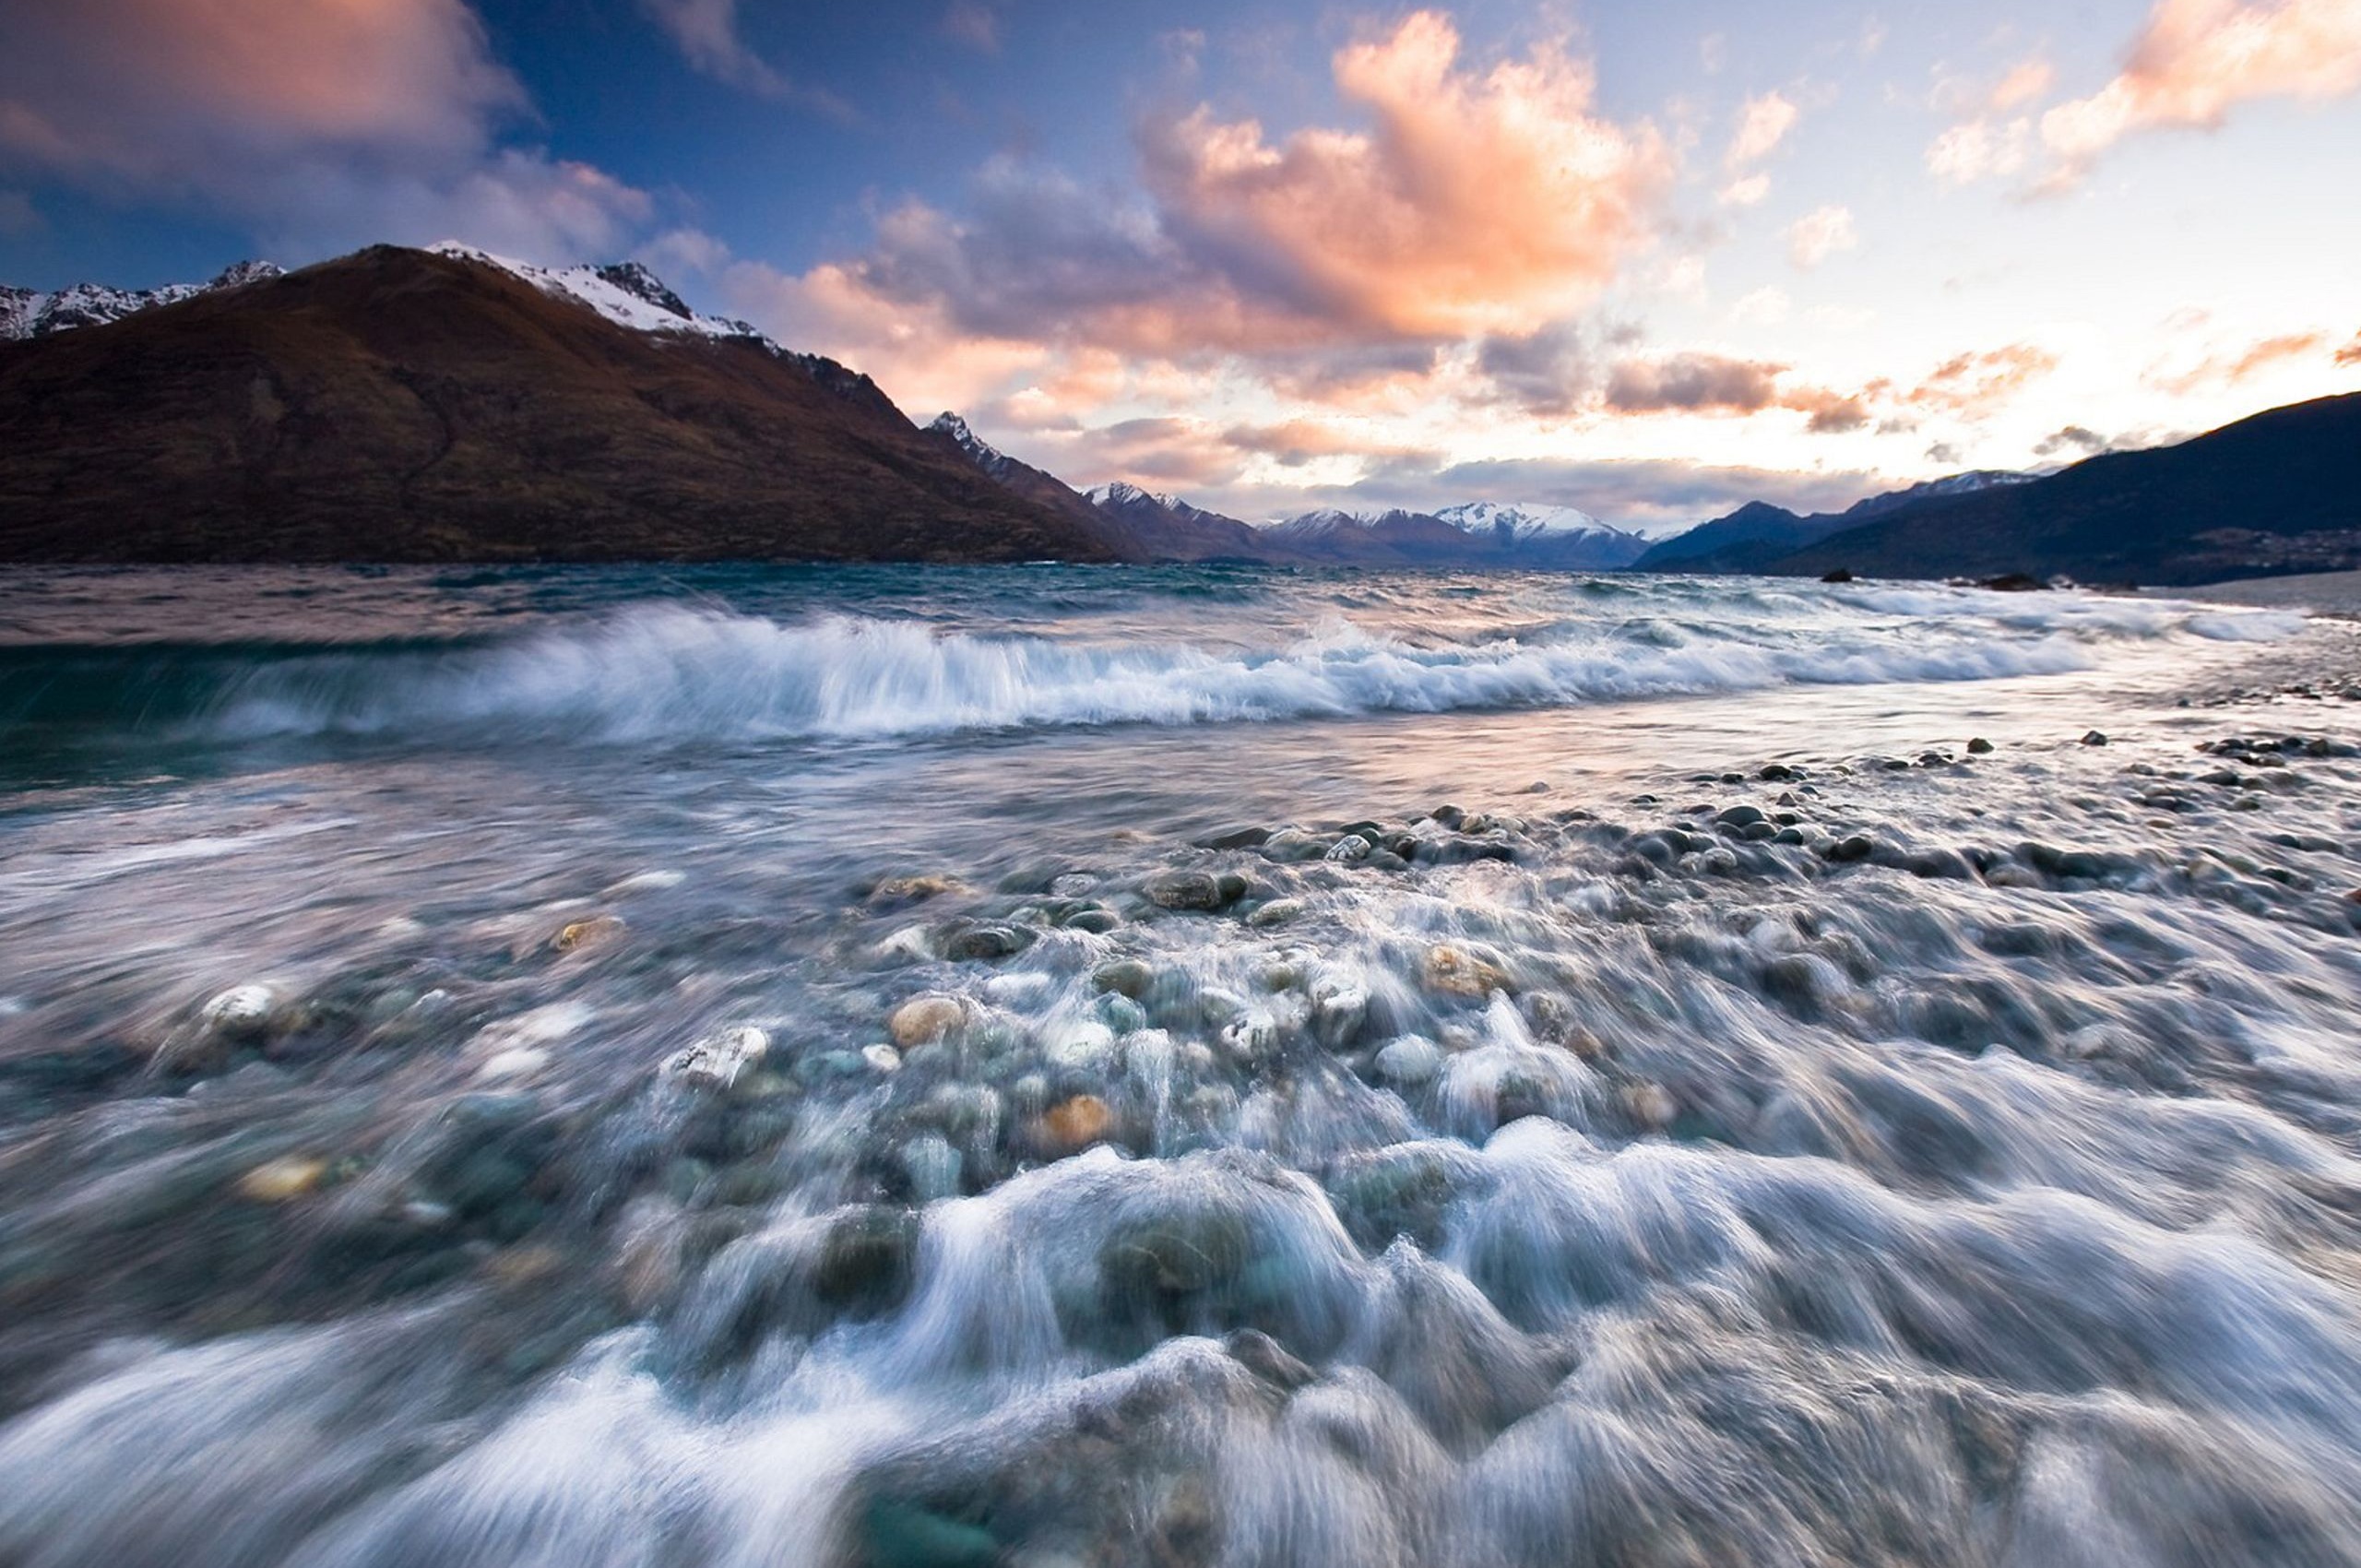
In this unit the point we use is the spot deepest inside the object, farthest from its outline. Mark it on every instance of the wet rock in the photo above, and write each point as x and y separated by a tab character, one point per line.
984	943
283	1180
901	1534
881	1058
1461	971
932	1167
1124	978
907	890
1239	837
1740	816
1074	1123
1097	921
1294	845
583	936
1278	911
1651	1105
1409	1062
1854	846
1349	849
925	1019
1196	890
1778	772
1268	1359
1405	1191
242	1012
867	1261
1122	1015
2094	738
721	1061
1979	746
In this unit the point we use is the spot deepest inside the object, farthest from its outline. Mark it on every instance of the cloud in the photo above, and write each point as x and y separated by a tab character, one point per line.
1762	124
2351	353
1747	190
1980	150
973	24
2196	60
1766	306
314	126
707	34
2073	438
2230	367
1477	203
1693	382
1973	385
1548	374
1820	234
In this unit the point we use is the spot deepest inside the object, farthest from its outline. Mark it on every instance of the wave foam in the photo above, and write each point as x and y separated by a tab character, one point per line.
666	672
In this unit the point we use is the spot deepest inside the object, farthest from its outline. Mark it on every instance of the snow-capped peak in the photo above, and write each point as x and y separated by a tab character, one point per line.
625	293
1520	522
28	312
958	430
1122	494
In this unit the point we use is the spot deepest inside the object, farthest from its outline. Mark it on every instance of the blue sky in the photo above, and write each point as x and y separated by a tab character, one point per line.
1651	260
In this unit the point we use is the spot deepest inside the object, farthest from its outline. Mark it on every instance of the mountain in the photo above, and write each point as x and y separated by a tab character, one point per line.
1478	534
25	313
1168	528
407	405
2280	492
1758	534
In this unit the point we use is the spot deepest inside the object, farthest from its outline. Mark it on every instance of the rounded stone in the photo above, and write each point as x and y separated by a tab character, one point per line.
923	1018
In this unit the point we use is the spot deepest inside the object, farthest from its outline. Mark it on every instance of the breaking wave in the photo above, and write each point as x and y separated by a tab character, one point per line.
671	673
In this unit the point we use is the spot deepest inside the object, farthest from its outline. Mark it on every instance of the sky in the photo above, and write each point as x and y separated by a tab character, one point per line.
1650	260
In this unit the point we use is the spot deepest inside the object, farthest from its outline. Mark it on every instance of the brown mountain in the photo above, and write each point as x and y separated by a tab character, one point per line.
402	405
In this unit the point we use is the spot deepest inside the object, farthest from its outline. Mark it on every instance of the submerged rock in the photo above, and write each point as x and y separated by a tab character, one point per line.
1199	890
926	1019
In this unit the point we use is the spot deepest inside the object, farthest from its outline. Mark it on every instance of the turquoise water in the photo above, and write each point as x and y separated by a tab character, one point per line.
1190	1066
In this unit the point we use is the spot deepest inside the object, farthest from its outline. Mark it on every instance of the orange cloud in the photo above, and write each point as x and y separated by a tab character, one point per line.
1479	203
2351	353
1976	383
2227	369
2197	59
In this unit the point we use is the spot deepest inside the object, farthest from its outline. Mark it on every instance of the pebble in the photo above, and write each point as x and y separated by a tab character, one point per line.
1651	1105
1854	847
1278	911
1127	976
925	1019
2094	738
881	1058
1184	890
1410	1062
1979	746
720	1062
1074	1123
282	1180
1455	971
581	936
243	1012
933	1167
915	889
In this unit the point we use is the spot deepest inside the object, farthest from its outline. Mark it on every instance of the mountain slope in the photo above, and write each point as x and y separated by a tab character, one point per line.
405	405
2280	492
1758	534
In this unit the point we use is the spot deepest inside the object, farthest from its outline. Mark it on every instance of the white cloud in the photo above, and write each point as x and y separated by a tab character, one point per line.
1820	234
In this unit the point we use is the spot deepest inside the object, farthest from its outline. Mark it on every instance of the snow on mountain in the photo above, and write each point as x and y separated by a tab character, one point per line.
985	455
625	293
1520	522
28	312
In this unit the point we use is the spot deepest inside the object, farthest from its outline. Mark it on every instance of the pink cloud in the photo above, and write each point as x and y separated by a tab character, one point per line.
1477	203
2196	60
315	124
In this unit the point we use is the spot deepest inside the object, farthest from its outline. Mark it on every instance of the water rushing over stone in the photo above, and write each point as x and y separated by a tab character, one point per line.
1171	1068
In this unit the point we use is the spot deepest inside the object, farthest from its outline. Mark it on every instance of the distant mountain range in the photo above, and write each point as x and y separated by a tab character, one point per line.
450	405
